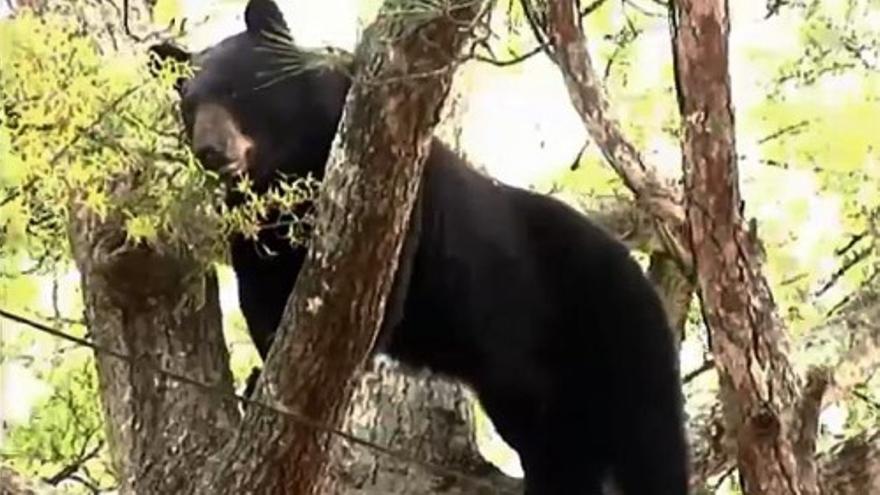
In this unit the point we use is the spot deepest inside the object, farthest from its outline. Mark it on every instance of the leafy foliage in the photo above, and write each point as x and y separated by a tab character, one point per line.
87	127
808	159
809	131
98	131
89	131
64	439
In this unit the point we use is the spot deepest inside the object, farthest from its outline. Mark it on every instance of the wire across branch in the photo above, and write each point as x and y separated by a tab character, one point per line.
298	418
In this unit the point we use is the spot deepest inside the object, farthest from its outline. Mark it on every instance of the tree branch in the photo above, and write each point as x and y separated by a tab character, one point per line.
748	337
363	212
587	97
849	343
707	365
850	348
853	467
71	469
13	483
660	199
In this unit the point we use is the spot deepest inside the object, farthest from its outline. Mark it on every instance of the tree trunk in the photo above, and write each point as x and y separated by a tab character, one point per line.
163	311
715	443
160	311
429	417
853	468
161	308
155	329
12	483
658	199
676	290
670	262
747	335
363	212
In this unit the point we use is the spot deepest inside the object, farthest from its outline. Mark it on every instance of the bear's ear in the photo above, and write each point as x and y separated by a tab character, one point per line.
165	51
264	16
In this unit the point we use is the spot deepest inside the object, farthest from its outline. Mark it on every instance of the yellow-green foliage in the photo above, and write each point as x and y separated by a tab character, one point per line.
82	128
66	426
86	129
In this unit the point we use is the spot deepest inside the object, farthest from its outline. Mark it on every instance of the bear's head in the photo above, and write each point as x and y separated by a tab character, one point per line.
249	110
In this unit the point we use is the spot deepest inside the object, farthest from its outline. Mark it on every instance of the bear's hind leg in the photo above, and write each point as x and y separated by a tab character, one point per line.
650	456
558	469
556	456
649	448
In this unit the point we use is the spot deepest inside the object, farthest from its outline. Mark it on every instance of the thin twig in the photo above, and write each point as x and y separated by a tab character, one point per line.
789	129
510	61
537	30
870	401
692	375
541	47
69	470
848	265
853	240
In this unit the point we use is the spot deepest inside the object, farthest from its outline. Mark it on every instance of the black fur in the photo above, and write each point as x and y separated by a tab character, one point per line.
543	313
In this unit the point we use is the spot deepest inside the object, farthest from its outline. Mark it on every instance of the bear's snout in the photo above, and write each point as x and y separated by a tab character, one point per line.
218	141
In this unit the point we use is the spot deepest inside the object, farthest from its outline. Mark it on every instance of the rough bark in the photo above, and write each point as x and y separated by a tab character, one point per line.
161	309
363	212
660	200
12	483
713	447
847	344
676	289
747	335
838	465
403	408
850	344
102	20
429	417
710	449
852	468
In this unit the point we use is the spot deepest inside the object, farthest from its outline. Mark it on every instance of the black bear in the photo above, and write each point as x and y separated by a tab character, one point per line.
544	314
